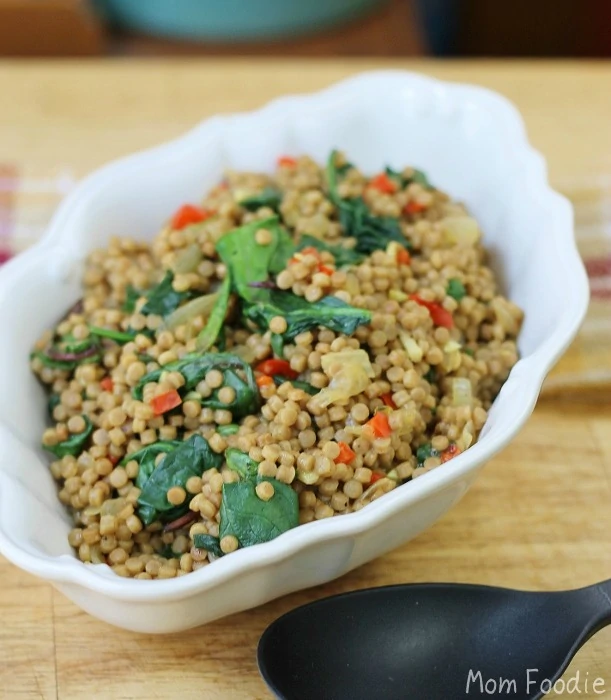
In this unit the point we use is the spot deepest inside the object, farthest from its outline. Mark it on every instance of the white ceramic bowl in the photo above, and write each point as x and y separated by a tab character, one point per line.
471	141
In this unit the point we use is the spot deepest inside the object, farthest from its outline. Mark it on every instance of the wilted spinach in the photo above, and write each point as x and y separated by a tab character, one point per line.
252	520
370	231
343	256
191	458
214	325
162	299
117	336
268	197
241	463
417	176
230	429
74	445
146	458
304	386
209	543
236	374
301	315
250	263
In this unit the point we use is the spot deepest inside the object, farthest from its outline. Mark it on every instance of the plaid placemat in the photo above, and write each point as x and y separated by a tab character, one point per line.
27	201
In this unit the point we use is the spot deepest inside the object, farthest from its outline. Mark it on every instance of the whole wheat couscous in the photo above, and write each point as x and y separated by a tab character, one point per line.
290	349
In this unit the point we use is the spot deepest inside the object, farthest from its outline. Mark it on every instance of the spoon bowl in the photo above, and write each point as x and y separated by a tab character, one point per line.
433	641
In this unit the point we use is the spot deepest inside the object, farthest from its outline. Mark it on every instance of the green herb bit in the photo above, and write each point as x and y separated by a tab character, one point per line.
74	445
297	384
226	430
456	289
424	452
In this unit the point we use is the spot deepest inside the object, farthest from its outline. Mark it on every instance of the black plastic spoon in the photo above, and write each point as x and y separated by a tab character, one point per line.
433	642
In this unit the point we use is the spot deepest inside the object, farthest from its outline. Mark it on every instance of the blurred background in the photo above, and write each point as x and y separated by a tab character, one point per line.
529	28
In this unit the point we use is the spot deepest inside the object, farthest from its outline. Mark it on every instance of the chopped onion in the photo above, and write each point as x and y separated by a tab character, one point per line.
460	230
414	351
466	439
188	259
307	478
461	392
501	308
452	358
350	372
397	295
202	306
113	506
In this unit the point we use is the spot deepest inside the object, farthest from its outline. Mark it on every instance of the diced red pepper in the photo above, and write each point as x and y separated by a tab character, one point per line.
287	162
387	398
383	183
450	452
114	460
275	366
403	257
376	476
165	402
414	208
439	315
223	185
263	380
107	384
189	214
325	269
346	454
379	425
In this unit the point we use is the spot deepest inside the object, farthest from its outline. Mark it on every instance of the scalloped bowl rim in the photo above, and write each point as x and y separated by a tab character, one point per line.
528	374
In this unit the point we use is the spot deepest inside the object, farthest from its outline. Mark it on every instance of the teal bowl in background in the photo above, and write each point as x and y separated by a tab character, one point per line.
227	20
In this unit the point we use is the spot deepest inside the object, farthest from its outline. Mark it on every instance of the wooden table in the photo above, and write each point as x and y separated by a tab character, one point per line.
539	516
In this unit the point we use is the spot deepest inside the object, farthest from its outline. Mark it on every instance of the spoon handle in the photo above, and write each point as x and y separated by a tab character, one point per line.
604	589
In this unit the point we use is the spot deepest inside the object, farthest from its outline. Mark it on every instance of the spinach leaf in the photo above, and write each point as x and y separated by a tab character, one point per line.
236	374
268	197
162	299
301	315
370	231
456	289
209	543
131	298
424	452
210	332
146	458
68	353
252	520
53	401
192	458
469	351
343	256
230	429
249	262
74	445
118	336
417	176
241	463
277	343
297	384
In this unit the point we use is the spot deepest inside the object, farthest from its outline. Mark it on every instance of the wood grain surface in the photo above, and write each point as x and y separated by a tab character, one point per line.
538	517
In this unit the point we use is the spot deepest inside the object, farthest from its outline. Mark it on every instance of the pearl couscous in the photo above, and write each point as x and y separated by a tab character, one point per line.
290	349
